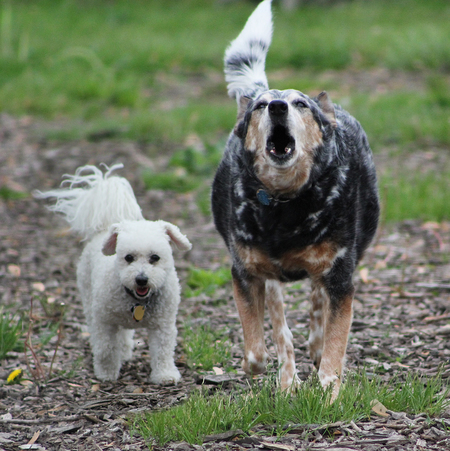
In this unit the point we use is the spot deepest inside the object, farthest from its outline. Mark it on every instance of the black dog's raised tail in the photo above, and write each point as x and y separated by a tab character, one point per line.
245	58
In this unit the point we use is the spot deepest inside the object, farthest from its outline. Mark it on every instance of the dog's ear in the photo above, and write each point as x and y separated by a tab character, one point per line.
109	245
327	107
242	109
175	236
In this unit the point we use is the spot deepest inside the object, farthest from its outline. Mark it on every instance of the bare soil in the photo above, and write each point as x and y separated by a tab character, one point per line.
401	319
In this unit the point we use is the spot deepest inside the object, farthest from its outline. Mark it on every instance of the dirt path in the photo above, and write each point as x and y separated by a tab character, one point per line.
402	312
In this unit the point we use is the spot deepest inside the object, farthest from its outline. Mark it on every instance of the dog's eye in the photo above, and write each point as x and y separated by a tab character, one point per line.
154	258
300	104
261	105
129	258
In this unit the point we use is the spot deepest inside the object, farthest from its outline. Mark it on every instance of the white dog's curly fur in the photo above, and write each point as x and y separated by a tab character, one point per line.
126	264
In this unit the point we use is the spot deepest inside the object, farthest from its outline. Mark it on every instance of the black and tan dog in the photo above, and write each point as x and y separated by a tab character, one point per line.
294	196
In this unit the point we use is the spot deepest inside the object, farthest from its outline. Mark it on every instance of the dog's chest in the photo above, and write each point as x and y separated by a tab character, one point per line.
130	314
294	264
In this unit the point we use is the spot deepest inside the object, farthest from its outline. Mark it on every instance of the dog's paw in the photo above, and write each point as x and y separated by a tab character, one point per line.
289	384
333	380
165	378
106	375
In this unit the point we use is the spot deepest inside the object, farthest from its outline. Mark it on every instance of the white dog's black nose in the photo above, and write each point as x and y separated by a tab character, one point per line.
278	108
141	280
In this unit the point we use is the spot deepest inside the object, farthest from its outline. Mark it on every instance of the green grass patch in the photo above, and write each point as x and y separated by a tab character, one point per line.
10	194
10	333
206	281
189	169
404	116
153	70
205	348
263	404
415	196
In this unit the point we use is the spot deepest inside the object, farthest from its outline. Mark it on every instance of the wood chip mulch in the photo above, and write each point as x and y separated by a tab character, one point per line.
401	319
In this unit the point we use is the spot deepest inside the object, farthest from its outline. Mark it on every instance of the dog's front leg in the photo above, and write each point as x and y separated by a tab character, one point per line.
162	342
282	336
337	322
106	348
249	295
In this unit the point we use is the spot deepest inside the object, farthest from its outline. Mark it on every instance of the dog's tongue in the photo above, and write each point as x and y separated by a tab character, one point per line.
142	291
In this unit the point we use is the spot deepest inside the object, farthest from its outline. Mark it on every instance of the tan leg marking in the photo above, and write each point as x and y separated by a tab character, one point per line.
282	336
250	306
319	304
336	330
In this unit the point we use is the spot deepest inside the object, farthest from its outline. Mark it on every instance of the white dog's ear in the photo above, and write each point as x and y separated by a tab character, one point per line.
180	240
109	245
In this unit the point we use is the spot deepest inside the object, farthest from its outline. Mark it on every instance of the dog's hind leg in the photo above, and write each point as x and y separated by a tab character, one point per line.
249	295
282	336
337	323
319	303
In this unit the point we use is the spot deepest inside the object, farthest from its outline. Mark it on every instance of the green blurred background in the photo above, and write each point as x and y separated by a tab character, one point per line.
151	71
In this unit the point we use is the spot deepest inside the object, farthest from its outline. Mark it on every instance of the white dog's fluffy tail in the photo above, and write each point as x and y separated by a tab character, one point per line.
245	58
93	201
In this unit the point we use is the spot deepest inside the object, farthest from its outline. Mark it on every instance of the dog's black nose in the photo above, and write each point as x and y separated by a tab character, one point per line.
278	107
141	280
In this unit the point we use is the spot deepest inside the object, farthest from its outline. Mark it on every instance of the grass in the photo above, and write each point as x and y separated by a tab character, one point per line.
415	196
10	333
203	415
205	347
9	194
206	281
153	71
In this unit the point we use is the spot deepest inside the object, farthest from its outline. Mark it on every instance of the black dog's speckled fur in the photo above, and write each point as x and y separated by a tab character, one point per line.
313	214
295	195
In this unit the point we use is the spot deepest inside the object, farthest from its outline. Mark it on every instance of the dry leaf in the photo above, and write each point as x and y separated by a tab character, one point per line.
380	264
38	286
364	274
34	438
95	388
444	330
138	390
14	270
276	446
217	371
378	408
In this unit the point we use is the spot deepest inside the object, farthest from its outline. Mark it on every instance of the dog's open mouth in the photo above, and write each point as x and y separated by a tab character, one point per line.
142	292
139	292
281	144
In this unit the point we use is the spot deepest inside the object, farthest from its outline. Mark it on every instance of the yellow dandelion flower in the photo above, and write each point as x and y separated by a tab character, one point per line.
14	376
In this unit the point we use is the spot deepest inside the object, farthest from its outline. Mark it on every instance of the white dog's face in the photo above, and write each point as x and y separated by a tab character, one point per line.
143	254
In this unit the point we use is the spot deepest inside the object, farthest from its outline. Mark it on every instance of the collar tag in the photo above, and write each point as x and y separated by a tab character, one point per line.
138	312
263	197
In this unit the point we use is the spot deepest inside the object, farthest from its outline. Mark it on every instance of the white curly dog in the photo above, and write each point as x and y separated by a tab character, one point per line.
126	274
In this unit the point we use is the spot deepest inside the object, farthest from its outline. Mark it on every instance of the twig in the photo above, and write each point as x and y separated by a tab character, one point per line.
43	420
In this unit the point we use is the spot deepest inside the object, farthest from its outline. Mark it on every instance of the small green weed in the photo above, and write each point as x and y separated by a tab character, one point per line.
10	333
9	194
205	347
265	405
205	281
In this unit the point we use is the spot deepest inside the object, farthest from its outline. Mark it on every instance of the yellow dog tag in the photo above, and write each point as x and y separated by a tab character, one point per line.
138	312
